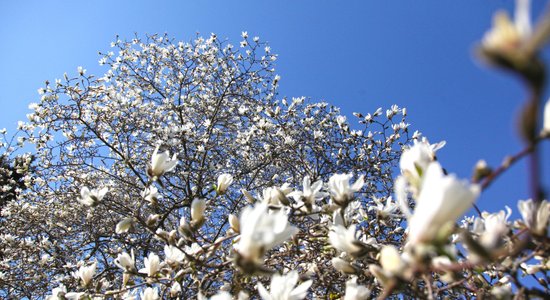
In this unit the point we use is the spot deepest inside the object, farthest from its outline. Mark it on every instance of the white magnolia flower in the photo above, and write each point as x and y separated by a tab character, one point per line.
261	231
126	261
495	226
341	190
58	293
535	216
175	289
152	265
161	163
346	240
311	192
284	288
384	210
415	160
506	35
355	291
91	197
150	194
234	223
124	225
224	181
197	210
276	196
342	265
442	199
173	255
391	260
150	294
86	273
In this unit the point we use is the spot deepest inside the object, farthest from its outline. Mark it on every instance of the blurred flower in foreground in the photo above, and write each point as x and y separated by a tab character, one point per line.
415	160
515	46
355	291
506	35
442	199
535	215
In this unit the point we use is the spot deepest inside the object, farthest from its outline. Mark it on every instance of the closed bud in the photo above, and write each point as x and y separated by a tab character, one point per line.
343	266
197	212
248	196
124	225
184	228
152	219
481	170
234	223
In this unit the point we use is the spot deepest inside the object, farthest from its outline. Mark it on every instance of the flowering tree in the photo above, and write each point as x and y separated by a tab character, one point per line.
181	173
151	160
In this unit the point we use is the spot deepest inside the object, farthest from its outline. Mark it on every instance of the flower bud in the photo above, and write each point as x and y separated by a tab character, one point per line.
124	225
343	266
197	211
234	223
224	181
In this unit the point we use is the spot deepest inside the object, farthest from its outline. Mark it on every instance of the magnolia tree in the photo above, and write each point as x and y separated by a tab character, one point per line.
182	174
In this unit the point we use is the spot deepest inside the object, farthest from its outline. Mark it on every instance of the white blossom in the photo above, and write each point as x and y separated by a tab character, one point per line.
494	227
340	189
126	261
150	194
197	210
150	294
415	160
442	199
506	35
224	181
346	240
356	291
342	265
261	231
124	225
311	193
391	260
234	223
152	265
173	255
91	197
161	163
535	215
276	196
58	293
283	287
86	273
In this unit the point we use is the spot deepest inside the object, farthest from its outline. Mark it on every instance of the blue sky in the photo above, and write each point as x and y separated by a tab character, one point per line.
358	55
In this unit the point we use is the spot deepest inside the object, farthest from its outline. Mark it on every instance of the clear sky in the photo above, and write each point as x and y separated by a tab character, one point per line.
358	55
